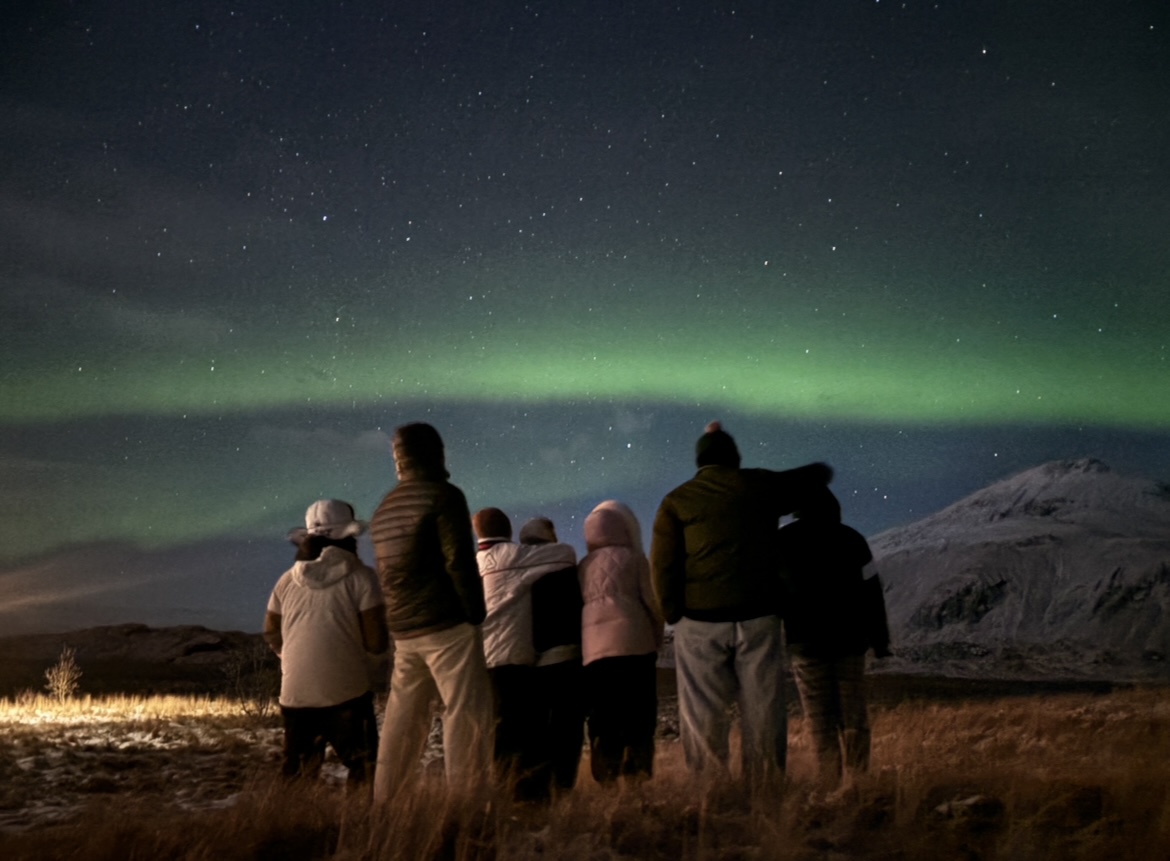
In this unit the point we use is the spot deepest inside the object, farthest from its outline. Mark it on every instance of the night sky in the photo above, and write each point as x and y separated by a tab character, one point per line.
924	242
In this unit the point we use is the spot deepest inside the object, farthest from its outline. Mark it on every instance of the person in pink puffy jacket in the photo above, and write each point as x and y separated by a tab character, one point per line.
621	631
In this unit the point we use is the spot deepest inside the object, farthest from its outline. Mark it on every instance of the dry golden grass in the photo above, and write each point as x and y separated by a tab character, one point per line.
1049	777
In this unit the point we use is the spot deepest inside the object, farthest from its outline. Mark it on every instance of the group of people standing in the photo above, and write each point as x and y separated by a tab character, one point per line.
530	651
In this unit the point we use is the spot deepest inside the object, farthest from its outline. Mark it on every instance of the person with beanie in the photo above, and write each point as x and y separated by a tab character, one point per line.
325	616
621	632
715	577
556	635
829	613
509	572
434	606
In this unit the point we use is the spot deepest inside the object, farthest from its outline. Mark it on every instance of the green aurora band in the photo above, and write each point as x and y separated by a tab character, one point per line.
981	378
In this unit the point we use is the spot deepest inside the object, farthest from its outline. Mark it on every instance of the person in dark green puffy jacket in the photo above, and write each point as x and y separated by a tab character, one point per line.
434	606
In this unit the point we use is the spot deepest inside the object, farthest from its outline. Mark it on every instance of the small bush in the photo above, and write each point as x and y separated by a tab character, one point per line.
253	679
63	679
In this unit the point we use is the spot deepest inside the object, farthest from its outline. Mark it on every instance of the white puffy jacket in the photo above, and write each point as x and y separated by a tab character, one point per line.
508	571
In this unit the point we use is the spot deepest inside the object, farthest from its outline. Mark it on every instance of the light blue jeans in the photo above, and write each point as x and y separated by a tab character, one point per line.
720	663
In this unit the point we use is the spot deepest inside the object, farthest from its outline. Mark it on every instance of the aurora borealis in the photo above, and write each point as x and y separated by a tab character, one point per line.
924	242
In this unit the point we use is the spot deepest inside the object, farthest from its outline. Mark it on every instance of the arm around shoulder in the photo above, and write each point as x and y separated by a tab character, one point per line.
792	487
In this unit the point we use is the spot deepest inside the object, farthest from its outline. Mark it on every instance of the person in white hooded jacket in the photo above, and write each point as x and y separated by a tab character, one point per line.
325	615
621	632
509	571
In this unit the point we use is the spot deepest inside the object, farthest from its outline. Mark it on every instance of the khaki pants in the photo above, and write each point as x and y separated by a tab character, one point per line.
448	663
832	695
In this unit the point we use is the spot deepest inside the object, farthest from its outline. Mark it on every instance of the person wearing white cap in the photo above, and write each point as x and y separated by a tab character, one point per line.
325	615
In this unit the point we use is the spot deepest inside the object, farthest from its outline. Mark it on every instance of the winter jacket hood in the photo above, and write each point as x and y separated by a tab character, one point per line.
619	616
331	567
613	524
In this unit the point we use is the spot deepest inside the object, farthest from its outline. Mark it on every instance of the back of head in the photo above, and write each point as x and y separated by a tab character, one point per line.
418	452
491	523
716	447
538	530
819	506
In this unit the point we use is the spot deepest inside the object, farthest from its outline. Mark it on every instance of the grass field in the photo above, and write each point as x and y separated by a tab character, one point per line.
1049	776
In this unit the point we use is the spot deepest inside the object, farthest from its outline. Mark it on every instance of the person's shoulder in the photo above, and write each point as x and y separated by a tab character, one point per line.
416	491
848	533
674	492
547	554
367	578
502	555
694	484
447	493
283	581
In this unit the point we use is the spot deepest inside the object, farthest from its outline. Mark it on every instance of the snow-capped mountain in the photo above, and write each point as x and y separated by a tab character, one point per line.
1062	570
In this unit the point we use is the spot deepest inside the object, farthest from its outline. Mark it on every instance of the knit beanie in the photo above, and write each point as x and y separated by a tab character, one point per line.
538	530
716	447
491	523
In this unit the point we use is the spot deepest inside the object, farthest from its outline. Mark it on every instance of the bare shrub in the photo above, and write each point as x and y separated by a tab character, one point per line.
63	679
253	678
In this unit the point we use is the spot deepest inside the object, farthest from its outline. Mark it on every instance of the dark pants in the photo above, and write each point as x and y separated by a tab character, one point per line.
350	728
832	695
561	729
622	716
517	706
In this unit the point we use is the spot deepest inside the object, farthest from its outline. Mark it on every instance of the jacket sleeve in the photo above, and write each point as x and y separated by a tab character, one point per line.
455	537
646	596
668	564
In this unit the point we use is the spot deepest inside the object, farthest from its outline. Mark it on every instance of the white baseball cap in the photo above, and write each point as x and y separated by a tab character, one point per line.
331	518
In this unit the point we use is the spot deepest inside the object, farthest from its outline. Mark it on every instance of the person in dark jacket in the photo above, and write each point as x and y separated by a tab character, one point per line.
434	605
713	571
832	617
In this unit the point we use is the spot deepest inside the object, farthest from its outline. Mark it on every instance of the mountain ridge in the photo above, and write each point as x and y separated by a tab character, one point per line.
1063	569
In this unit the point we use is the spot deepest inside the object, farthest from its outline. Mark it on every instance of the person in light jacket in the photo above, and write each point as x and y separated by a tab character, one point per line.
621	631
325	615
509	571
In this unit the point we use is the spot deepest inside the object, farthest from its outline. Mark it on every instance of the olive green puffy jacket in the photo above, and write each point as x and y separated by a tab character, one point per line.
712	556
